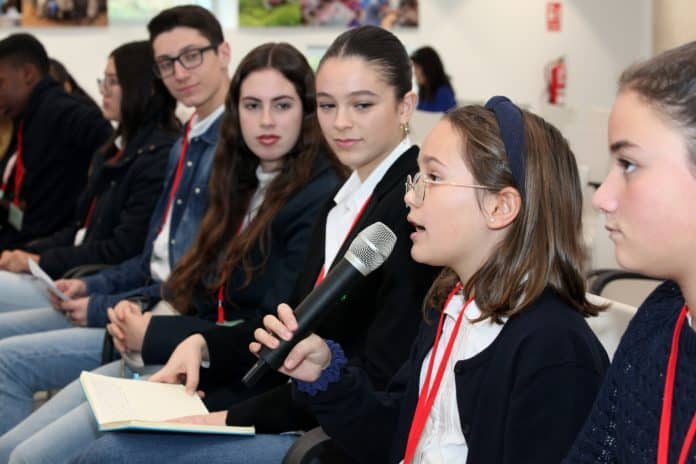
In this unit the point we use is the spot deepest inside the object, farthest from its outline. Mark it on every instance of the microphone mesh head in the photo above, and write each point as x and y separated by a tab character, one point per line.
371	248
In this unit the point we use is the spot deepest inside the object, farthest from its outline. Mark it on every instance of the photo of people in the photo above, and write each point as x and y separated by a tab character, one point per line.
142	10
46	13
331	13
10	13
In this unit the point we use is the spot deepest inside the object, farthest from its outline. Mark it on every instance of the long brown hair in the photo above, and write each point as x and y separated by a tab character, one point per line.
218	249
543	247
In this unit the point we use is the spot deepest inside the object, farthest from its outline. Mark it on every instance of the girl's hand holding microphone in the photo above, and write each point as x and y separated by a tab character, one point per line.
307	359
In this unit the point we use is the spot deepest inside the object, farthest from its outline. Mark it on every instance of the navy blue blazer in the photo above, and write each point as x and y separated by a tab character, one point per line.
271	285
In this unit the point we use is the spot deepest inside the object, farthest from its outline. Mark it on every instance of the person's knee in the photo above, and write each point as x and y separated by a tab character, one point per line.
103	450
22	455
8	356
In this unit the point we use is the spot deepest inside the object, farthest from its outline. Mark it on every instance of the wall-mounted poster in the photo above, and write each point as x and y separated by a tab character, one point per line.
144	10
10	13
48	13
332	13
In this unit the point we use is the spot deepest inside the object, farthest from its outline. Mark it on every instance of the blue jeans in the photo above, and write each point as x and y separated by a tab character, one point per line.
61	428
21	291
148	448
49	355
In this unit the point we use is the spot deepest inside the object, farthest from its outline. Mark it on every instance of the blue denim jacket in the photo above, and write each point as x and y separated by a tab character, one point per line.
133	277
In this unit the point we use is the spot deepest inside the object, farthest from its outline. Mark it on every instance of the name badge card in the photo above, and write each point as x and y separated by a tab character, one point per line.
16	217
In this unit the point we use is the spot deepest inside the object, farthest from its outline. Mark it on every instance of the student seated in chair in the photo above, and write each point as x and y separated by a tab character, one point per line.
270	175
646	409
125	182
47	348
55	137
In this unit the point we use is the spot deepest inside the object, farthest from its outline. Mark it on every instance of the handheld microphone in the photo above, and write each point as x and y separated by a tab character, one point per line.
367	252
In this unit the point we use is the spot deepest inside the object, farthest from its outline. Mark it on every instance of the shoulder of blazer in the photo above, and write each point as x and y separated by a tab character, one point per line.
396	174
147	141
318	187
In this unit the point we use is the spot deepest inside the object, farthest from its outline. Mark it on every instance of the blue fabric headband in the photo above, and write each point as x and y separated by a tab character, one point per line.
509	119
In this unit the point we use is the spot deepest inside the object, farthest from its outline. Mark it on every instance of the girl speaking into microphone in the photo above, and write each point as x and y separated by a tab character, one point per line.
505	368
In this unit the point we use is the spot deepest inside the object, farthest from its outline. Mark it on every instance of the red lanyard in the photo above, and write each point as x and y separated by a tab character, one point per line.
221	290
428	392
93	204
666	418
114	159
90	212
322	272
178	173
19	166
220	309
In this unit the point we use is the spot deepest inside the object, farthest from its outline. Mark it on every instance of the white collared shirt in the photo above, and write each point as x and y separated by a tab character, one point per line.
350	200
442	440
159	260
264	179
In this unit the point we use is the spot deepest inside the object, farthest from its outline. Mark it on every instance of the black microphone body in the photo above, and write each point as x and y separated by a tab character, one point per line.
309	314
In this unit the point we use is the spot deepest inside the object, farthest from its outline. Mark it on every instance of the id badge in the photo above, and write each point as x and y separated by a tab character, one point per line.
231	323
16	217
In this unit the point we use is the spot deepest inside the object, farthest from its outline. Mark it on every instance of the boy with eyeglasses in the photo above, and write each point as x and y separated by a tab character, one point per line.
192	60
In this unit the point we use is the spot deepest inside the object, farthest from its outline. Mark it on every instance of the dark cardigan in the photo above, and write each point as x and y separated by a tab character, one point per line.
624	424
521	400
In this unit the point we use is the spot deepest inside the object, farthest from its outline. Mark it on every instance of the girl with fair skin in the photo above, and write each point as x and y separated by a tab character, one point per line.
647	201
269	176
517	365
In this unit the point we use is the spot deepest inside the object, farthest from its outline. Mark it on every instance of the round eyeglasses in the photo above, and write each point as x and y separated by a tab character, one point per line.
418	182
107	83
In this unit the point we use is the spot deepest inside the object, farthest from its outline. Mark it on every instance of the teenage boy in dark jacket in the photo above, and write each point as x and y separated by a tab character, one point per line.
54	140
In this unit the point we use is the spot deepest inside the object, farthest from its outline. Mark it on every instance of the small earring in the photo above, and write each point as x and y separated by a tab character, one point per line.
491	219
404	128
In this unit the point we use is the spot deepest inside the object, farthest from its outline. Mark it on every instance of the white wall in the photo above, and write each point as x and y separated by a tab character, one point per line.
674	24
488	46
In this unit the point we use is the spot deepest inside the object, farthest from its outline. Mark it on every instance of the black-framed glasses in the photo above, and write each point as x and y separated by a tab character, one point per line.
418	182
106	83
189	59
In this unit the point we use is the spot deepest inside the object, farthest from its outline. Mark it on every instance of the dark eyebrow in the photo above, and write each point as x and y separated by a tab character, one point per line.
367	93
431	159
621	145
182	50
357	93
280	97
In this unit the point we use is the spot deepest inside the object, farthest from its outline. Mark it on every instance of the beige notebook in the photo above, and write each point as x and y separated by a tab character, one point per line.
125	404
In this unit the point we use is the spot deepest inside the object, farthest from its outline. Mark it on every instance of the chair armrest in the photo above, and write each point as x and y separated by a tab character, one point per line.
82	271
600	278
316	447
307	447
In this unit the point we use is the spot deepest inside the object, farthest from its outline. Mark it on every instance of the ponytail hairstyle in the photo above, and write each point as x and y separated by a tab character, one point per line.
667	82
378	47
